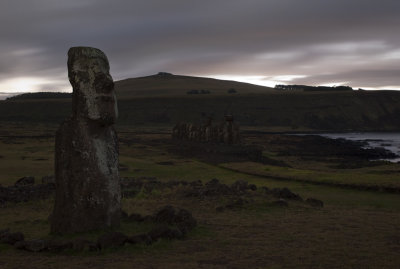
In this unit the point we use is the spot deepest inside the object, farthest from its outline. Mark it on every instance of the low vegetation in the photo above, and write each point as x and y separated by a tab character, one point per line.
231	233
164	99
303	202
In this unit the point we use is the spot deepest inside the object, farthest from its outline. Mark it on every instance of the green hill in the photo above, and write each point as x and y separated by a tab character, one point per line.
162	100
165	84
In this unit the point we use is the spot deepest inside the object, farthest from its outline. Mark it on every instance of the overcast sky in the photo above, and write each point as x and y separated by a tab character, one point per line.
314	42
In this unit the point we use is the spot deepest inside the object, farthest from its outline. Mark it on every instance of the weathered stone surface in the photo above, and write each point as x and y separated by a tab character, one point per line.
82	244
285	193
163	231
35	245
4	231
182	218
88	192
280	202
11	238
135	218
314	202
140	239
25	181
59	245
227	132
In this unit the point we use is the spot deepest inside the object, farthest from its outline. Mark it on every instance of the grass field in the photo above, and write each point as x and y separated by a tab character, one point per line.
355	228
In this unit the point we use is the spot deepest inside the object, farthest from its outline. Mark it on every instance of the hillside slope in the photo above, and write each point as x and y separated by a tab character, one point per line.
319	111
165	84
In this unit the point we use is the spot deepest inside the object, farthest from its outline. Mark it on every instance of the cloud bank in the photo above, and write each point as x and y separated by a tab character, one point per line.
314	42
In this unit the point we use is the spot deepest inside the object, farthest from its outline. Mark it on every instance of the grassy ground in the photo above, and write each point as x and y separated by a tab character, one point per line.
355	229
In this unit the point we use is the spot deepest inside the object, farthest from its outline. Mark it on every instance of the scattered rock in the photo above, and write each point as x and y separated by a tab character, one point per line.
82	244
315	202
214	187
135	218
252	187
285	193
11	238
59	245
240	186
140	239
237	204
166	232
148	218
25	181
111	240
185	221
23	193
165	215
48	180
265	189
182	218
132	186
35	245
281	203
196	183
4	231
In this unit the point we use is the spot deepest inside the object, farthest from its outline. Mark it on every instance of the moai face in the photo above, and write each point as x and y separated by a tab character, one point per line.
94	96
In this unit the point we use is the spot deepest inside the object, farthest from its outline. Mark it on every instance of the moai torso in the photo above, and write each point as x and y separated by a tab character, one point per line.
88	194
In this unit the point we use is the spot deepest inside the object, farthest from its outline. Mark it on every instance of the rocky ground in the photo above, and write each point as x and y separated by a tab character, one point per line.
184	210
172	223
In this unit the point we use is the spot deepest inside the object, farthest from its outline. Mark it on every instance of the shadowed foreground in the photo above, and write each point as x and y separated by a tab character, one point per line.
354	229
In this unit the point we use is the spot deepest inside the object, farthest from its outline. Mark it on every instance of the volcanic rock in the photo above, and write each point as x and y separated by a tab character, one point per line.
11	238
163	231
35	245
88	191
112	240
25	181
314	202
280	202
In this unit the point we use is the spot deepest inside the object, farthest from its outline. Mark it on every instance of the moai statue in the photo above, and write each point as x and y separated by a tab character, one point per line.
231	131
236	134
228	126
207	129
176	131
88	191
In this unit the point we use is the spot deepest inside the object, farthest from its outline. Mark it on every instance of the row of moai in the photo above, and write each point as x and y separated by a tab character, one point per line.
226	132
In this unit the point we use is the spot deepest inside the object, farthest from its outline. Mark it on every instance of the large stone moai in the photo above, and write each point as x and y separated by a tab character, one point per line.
230	131
88	191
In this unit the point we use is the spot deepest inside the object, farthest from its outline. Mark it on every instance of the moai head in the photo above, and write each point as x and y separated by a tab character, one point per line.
93	87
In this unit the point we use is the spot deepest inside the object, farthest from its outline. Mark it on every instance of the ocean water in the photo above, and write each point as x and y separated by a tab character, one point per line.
389	141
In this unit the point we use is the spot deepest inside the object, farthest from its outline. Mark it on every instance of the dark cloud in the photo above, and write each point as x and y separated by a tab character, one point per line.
321	40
